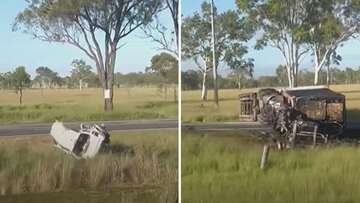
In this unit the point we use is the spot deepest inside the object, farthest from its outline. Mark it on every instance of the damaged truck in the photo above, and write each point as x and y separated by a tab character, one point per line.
85	143
314	111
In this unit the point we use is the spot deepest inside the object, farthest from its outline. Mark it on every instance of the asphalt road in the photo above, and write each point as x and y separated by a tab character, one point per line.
226	126
44	128
352	129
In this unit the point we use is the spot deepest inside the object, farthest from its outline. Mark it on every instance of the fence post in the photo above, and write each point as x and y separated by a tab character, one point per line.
265	156
314	135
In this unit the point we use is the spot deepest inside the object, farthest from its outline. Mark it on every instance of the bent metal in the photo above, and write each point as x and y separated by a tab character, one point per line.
83	144
314	111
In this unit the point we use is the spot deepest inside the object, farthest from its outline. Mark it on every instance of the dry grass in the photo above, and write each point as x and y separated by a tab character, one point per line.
86	105
195	110
137	159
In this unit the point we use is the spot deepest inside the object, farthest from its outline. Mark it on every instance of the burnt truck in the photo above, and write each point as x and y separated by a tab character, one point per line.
314	111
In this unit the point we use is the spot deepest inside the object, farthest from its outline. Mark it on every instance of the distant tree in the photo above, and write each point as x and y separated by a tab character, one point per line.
80	72
167	66
281	75
190	80
118	79
59	81
6	80
95	27
2	79
45	77
93	80
20	80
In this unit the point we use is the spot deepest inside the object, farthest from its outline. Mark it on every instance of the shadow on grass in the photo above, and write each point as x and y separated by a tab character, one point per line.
152	105
119	149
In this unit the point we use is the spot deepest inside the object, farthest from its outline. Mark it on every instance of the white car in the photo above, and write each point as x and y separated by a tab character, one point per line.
83	144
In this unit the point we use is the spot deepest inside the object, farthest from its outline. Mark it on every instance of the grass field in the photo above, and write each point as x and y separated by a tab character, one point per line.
225	168
86	105
138	159
195	110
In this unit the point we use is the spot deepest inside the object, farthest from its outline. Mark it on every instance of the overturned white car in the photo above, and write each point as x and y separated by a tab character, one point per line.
83	144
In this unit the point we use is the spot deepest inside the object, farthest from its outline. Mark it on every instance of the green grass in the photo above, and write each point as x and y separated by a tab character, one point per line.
86	105
137	159
195	110
225	168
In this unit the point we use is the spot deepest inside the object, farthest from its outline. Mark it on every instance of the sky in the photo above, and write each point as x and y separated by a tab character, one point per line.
268	59
20	49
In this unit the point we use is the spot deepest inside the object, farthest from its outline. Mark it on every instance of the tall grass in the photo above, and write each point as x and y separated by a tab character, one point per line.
226	169
86	105
195	110
146	159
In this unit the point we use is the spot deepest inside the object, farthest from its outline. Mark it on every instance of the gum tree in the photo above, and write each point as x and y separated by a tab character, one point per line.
329	24
80	71
96	27
196	42
20	79
281	24
231	32
166	65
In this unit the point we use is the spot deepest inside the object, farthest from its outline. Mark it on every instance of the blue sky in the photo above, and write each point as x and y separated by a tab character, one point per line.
268	59
17	48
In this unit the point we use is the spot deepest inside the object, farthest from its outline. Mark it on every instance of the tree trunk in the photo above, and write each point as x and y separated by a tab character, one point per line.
80	84
316	76
328	75
165	91
108	98
107	76
108	90
204	88
290	76
239	82
20	96
128	91
216	93
42	88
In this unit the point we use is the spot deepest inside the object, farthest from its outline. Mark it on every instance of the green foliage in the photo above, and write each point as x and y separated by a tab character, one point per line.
166	65
80	70
231	32
58	20
5	80
20	78
190	80
46	78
